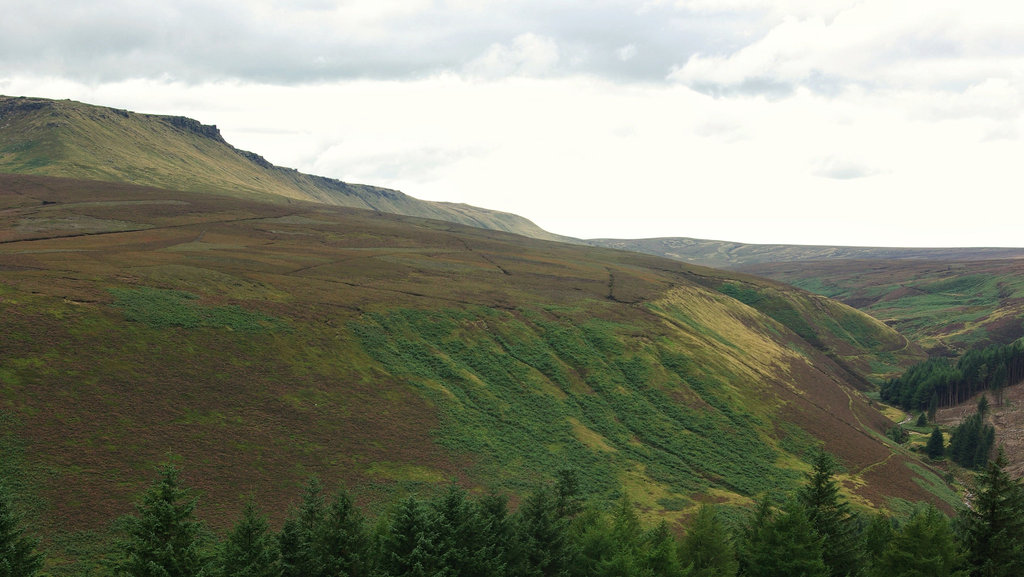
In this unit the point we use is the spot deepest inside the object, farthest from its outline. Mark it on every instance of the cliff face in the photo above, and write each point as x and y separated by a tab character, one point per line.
194	126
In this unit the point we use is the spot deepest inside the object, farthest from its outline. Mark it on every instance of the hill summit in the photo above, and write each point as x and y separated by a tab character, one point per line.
72	139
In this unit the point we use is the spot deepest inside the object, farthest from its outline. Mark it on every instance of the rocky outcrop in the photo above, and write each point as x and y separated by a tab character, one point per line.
190	125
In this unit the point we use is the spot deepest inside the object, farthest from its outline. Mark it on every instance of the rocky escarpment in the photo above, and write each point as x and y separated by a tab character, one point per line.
191	125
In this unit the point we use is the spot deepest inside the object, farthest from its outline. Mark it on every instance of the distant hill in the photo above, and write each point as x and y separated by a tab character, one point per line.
724	254
257	342
72	139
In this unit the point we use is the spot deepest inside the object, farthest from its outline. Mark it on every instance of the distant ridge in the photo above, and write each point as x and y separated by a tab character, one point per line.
71	139
725	254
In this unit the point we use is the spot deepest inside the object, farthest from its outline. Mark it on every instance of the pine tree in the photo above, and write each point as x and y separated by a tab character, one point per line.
499	533
832	518
660	553
18	552
707	548
543	536
165	539
341	544
592	533
983	407
781	544
936	447
297	536
462	537
569	501
876	537
993	527
624	558
924	547
408	548
249	550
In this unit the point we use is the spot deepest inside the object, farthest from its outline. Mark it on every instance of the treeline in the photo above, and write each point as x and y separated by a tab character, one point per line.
554	532
938	382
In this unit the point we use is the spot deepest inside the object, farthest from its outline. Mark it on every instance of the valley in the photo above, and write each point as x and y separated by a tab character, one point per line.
167	298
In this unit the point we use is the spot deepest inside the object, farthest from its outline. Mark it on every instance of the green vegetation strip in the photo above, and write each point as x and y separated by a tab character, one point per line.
162	308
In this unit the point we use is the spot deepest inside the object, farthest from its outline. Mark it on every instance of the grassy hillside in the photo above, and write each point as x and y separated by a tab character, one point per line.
260	342
946	306
71	139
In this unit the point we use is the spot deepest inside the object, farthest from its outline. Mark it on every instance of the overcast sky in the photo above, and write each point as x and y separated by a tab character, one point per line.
872	122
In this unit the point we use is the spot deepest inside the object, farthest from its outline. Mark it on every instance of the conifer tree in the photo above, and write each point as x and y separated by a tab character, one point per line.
249	550
983	406
499	532
164	539
707	549
876	537
992	527
408	548
781	544
924	547
295	541
592	533
567	488
341	545
624	557
660	553
543	536
832	518
18	551
936	446
462	537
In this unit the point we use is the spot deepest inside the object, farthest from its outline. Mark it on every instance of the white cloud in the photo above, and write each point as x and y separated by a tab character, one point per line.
627	52
842	168
875	44
527	55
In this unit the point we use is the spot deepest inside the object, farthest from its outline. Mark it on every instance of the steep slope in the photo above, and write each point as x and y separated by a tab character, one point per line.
259	343
71	139
725	254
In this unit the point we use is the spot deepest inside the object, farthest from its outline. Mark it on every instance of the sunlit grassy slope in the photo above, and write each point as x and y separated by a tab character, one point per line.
71	139
946	306
259	343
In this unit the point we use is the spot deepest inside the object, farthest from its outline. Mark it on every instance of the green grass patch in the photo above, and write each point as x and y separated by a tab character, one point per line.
930	482
163	308
775	306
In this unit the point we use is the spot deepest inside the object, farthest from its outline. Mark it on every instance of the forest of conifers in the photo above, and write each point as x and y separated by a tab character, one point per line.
938	382
553	532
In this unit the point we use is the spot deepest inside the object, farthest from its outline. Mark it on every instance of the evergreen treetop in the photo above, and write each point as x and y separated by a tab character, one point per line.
832	518
18	551
164	538
992	527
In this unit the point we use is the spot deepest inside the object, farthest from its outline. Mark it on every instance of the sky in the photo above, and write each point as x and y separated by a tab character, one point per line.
841	122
